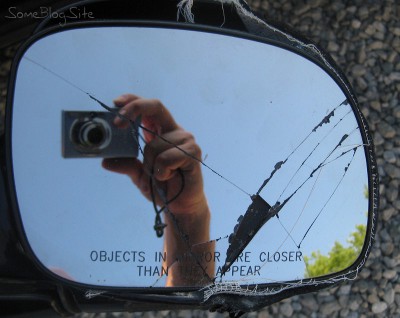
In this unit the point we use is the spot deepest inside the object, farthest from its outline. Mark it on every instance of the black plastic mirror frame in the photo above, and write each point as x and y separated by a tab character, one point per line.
224	296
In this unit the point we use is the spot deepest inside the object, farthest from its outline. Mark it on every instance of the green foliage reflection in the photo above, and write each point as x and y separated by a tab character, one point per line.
339	257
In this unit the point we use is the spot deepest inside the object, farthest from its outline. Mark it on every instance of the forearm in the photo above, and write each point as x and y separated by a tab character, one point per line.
186	245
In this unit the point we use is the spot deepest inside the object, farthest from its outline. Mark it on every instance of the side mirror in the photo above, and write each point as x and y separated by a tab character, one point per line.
235	169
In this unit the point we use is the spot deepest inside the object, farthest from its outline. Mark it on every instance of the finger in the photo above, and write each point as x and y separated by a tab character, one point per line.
124	99
155	116
160	144
169	161
132	167
121	120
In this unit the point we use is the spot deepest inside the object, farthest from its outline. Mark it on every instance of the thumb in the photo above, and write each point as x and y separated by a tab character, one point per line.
132	167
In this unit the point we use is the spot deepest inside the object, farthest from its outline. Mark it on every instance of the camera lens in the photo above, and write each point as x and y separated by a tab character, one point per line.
90	134
95	136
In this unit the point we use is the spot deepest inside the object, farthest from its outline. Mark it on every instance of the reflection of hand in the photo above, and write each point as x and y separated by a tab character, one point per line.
160	157
168	165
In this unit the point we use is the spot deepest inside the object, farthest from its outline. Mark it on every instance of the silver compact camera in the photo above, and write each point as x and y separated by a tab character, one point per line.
93	134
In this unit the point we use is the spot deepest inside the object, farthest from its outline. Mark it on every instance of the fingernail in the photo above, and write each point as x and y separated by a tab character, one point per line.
120	99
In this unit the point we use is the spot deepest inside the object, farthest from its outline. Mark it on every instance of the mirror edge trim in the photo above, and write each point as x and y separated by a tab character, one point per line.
312	284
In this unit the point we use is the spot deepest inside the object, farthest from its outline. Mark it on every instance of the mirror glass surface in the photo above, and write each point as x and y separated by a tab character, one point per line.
274	130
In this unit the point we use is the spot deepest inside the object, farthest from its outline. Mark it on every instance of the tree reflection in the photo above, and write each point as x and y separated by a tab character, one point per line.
339	257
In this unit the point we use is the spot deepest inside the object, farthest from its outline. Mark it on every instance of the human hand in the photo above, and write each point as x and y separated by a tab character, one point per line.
172	160
174	165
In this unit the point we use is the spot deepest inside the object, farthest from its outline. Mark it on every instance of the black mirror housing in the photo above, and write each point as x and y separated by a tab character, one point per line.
234	294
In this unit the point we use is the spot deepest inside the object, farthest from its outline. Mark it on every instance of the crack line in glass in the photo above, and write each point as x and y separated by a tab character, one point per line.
274	210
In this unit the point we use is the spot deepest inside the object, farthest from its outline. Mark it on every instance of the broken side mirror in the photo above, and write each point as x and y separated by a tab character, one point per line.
188	163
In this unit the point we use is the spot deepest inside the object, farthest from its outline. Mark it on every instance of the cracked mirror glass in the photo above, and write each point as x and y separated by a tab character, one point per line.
149	157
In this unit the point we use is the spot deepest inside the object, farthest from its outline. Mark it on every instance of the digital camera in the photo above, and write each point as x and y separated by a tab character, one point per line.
93	134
